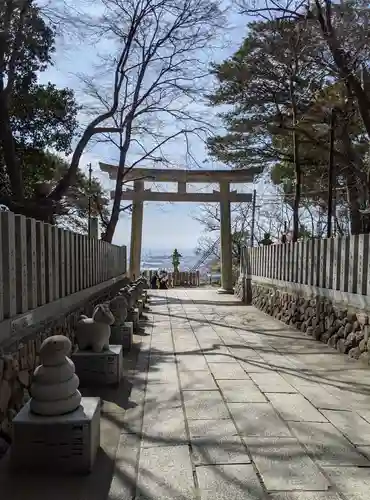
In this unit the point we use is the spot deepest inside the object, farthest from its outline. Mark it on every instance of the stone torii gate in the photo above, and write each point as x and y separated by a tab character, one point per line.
224	196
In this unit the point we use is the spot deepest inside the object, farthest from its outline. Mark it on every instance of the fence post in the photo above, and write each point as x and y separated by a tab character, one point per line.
8	264
62	257
32	277
68	262
21	263
56	261
49	263
40	263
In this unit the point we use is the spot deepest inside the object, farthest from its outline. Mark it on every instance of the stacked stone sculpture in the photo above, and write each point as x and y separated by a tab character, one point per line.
94	332
54	389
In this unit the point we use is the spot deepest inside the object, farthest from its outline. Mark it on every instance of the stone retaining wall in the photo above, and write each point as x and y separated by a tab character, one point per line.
346	330
20	360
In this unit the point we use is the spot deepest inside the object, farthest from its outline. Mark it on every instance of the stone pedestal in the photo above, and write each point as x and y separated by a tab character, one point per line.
133	316
122	335
140	306
66	443
99	368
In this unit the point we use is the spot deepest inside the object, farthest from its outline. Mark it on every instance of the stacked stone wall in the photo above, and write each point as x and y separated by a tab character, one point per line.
343	328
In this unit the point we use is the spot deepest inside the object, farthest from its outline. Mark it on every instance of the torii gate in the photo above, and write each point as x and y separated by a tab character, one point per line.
224	196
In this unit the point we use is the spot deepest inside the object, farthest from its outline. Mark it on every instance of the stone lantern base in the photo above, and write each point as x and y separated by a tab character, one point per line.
63	443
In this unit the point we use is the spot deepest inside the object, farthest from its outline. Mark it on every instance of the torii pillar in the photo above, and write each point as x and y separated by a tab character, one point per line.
226	240
136	230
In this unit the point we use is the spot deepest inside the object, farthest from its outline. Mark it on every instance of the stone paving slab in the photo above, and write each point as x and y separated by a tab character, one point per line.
354	427
236	391
165	473
327	445
192	362
255	366
284	465
321	398
296	408
352	482
258	419
211	428
123	485
228	371
229	482
204	404
272	382
305	495
197	381
162	373
219	450
225	357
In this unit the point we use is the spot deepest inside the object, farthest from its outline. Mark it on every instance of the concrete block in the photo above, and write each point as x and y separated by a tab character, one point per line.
99	368
68	443
122	335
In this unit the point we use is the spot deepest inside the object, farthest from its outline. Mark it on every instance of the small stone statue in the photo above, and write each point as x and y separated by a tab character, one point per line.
54	388
127	292
119	308
94	332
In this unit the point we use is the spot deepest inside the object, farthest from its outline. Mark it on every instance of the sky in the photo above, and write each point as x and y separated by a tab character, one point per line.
165	225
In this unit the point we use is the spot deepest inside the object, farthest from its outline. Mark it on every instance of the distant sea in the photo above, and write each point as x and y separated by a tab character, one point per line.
163	260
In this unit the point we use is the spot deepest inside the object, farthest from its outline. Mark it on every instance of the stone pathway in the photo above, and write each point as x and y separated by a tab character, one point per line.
225	403
232	404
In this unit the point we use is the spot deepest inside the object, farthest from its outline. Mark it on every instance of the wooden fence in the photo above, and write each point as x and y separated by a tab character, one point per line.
341	264
40	263
182	278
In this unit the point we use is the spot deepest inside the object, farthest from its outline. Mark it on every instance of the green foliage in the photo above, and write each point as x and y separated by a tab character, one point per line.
255	83
76	203
27	44
42	118
280	60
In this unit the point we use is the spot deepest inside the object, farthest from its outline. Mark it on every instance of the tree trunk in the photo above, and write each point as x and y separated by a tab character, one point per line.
353	197
297	165
13	167
343	64
355	192
298	182
116	209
